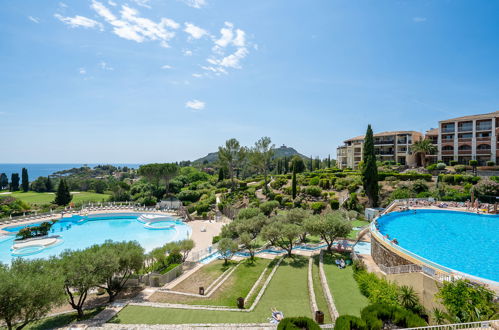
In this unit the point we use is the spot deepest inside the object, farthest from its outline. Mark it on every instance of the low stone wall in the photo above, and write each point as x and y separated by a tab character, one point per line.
382	256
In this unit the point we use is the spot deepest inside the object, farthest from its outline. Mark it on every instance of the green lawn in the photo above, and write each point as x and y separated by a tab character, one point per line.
357	223
344	288
35	198
319	292
60	320
287	292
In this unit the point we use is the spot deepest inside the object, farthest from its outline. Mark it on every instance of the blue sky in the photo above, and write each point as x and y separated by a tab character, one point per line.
163	80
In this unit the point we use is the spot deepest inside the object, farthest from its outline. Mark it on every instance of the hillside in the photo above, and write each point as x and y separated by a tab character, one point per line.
282	151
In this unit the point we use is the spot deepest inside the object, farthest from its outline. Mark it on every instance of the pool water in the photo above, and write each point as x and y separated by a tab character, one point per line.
465	242
78	234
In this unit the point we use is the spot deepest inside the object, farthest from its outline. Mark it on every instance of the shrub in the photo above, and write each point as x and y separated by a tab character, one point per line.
189	195
376	315
379	291
441	166
347	322
460	168
313	191
453	163
473	162
215	239
314	181
278	183
325	184
317	207
431	167
296	323
391	178
335	204
268	207
491	163
405	176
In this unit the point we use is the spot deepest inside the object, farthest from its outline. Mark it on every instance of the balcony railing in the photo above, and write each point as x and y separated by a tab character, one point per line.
384	142
484	127
448	129
464	140
483	151
464	152
401	141
447	152
483	139
447	140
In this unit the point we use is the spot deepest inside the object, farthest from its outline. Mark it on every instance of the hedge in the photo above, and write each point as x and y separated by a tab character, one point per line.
405	176
298	323
347	322
458	178
377	314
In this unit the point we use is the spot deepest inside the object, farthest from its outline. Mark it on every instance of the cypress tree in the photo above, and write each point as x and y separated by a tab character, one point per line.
310	164
293	183
370	170
14	182
24	180
48	185
286	165
328	161
221	175
4	181
62	196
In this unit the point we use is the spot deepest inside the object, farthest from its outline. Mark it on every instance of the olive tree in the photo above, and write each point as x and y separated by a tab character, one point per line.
227	248
329	227
29	289
282	234
231	157
261	157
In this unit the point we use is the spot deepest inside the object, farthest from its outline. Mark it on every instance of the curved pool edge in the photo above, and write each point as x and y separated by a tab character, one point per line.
441	272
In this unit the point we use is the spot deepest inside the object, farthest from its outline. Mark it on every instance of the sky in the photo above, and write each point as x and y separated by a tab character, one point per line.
139	81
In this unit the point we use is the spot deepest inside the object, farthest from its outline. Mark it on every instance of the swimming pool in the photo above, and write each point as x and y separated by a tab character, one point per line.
79	232
462	241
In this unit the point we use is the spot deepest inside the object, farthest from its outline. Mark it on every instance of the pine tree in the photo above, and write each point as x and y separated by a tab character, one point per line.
49	186
293	183
4	181
25	180
370	169
62	196
14	182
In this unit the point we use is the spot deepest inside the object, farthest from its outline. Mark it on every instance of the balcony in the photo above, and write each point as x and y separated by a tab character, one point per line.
483	139
401	141
447	140
384	142
447	152
483	151
464	152
449	129
465	129
464	140
385	153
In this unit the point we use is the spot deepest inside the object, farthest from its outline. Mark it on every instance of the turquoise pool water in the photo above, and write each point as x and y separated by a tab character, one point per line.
462	241
79	232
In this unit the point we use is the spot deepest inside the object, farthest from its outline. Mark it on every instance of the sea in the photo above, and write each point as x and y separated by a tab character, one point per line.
37	170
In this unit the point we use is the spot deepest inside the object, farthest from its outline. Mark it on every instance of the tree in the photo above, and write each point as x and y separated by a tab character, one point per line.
282	234
63	195
185	247
297	216
227	248
159	173
248	242
298	163
423	147
329	227
261	157
467	302
81	274
40	184
231	157
29	289
293	182
4	181
116	262
14	182
49	186
408	298
251	226
25	180
369	169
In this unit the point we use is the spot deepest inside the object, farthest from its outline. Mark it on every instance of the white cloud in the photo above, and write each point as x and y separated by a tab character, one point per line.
166	67
419	19
34	19
227	35
104	66
195	105
82	71
131	26
195	3
63	5
112	3
79	21
194	31
187	52
142	3
197	75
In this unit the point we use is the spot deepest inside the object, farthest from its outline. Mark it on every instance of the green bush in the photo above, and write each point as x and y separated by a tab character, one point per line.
460	168
325	184
491	163
453	163
317	207
189	195
314	181
405	176
377	290
278	183
313	191
347	322
268	207
431	167
441	166
376	315
335	204
215	239
298	323
473	162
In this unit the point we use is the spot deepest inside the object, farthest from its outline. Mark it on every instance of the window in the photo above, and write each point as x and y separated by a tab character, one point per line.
448	137
446	128
484	125
465	135
465	147
466	126
483	134
447	148
483	147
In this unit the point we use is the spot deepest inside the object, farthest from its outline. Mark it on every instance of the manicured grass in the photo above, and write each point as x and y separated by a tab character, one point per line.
287	292
35	198
204	276
344	288
60	320
319	292
357	223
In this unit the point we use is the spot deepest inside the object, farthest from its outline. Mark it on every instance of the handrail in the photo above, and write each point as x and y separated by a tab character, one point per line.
468	325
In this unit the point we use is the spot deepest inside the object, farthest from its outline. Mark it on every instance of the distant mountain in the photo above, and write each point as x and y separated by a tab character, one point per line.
280	152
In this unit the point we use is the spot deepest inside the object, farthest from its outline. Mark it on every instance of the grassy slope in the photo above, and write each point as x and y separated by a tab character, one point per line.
287	292
357	223
344	288
319	292
35	198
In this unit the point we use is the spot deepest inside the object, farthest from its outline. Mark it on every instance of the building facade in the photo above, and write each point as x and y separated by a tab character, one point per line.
388	146
468	138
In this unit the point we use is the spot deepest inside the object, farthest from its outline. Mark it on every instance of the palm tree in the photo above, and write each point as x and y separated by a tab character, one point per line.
439	317
408	297
423	147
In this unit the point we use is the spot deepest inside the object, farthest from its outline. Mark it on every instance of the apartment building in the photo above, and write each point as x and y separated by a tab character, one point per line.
388	146
465	138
